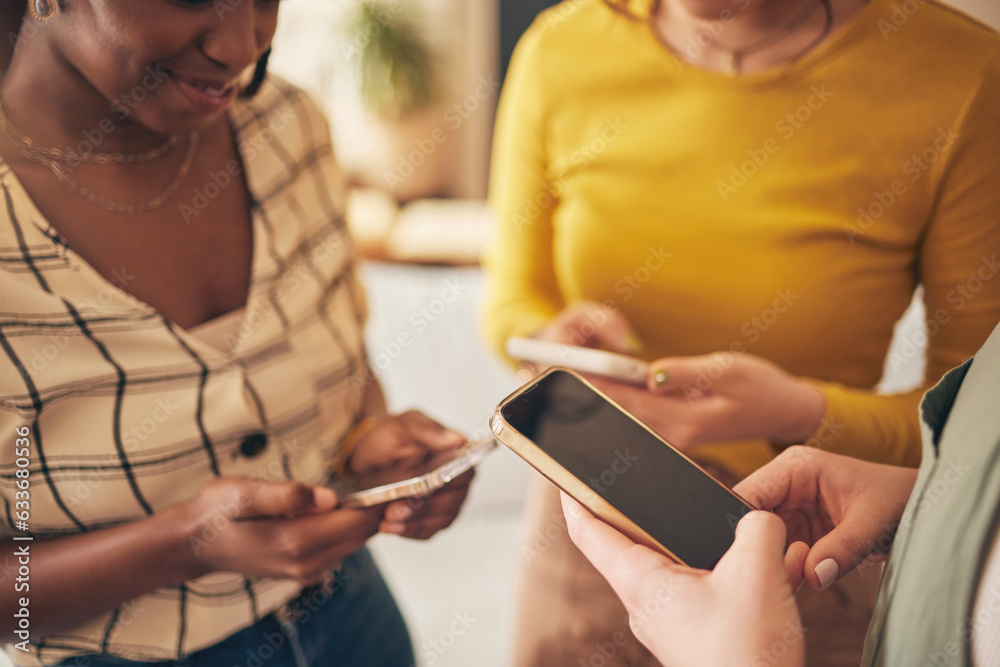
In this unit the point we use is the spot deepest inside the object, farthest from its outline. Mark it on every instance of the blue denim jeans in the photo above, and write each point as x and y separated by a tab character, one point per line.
357	625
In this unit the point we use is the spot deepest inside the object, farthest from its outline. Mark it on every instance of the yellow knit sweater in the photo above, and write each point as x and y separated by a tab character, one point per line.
788	214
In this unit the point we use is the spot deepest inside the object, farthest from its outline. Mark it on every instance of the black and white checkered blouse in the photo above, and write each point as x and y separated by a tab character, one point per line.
128	413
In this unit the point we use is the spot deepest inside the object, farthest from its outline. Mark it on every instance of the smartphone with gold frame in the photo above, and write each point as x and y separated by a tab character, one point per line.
617	467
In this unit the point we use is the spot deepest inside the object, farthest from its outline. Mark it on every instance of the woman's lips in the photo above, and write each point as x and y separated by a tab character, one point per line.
204	97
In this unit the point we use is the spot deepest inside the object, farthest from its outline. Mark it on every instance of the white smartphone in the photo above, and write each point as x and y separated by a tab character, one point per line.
618	468
455	463
584	359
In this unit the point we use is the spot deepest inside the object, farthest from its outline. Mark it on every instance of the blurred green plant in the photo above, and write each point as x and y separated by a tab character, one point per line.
397	66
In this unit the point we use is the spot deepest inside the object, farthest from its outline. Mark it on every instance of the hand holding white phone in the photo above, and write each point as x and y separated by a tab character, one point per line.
583	359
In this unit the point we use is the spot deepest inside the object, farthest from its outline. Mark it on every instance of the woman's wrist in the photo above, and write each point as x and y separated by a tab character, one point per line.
803	414
341	463
187	537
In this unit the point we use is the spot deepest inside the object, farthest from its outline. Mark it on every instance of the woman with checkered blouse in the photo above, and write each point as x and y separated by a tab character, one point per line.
181	354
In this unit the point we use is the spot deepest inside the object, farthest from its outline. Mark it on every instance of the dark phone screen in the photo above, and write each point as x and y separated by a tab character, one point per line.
679	505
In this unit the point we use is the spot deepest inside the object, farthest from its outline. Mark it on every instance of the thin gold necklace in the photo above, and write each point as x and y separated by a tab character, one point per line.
21	141
734	57
52	158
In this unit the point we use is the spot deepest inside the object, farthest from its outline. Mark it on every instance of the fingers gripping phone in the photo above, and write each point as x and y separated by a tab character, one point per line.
441	470
585	359
618	468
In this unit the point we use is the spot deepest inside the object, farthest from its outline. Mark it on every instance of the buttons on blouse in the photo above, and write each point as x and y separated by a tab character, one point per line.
253	445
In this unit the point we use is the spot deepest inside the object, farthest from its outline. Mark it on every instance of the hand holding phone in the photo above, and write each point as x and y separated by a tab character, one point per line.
755	613
432	476
584	359
395	448
618	468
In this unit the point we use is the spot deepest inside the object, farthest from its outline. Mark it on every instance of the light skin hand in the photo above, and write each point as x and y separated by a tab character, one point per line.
843	508
721	397
742	610
401	446
589	324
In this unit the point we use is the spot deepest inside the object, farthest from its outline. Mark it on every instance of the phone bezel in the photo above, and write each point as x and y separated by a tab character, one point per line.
574	486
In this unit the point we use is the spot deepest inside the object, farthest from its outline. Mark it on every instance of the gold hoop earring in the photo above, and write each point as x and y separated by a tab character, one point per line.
42	10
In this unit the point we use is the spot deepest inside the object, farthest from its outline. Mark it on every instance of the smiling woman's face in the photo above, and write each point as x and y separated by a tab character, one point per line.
174	65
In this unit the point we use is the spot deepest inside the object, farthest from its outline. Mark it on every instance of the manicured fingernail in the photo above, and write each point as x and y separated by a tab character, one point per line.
393	528
324	498
661	379
827	572
633	344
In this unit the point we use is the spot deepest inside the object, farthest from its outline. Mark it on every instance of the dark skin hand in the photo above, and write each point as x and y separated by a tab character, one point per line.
285	530
399	448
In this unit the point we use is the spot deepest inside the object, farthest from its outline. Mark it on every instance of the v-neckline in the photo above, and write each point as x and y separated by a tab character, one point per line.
190	337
